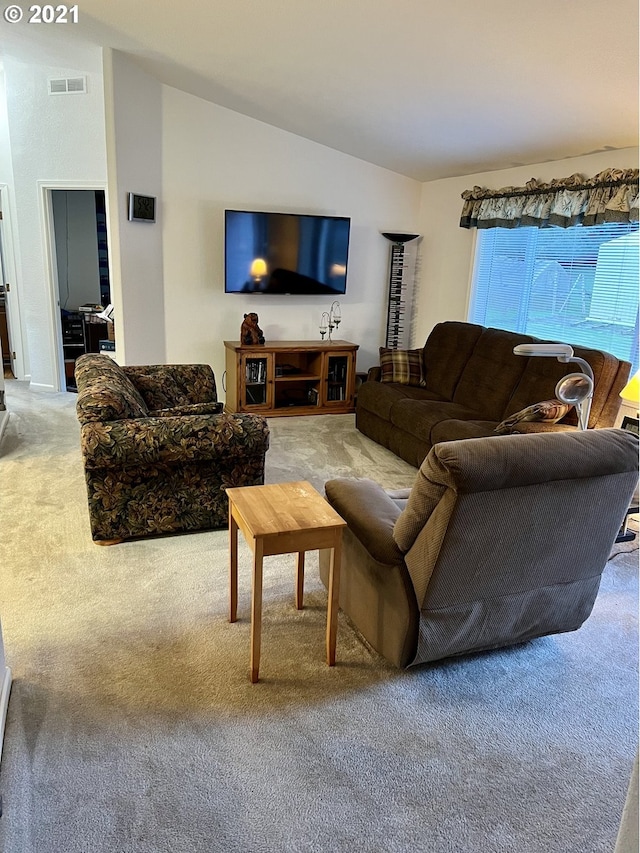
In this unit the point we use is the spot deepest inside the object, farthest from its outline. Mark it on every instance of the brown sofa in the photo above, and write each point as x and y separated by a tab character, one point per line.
500	540
473	382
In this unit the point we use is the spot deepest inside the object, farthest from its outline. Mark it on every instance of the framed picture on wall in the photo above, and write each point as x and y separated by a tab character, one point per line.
142	208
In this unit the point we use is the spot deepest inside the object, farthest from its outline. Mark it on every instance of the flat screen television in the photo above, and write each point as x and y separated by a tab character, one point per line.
285	253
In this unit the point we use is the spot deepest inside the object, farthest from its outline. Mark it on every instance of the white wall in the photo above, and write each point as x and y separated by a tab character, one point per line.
8	228
447	249
197	159
6	165
133	103
214	158
53	139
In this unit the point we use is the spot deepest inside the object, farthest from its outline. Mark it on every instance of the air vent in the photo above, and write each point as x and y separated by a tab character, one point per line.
68	86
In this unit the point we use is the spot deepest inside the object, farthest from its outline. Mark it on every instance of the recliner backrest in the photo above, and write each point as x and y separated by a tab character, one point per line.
446	353
491	374
486	512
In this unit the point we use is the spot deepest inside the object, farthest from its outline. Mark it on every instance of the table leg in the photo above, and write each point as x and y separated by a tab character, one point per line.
333	602
233	574
300	581
256	609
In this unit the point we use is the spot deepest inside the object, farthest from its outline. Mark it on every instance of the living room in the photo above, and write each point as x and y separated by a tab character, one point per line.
165	661
197	159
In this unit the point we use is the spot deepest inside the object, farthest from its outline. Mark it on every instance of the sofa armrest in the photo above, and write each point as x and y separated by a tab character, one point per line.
170	440
370	515
374	374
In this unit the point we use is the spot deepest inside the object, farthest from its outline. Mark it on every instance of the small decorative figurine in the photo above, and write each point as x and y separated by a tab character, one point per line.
250	331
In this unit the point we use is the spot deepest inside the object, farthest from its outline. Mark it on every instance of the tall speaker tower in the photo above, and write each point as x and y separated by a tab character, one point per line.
402	275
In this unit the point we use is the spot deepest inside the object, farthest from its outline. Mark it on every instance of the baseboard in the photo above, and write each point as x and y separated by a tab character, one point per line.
4	702
40	386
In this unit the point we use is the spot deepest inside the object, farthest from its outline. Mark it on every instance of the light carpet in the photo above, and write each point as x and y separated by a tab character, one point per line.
133	726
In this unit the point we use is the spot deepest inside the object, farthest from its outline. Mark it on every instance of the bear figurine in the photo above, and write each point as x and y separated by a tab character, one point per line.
250	331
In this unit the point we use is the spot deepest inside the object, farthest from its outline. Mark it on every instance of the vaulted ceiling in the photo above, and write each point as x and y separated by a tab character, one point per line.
427	89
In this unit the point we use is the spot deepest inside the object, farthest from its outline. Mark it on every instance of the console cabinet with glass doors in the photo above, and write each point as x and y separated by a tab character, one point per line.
291	377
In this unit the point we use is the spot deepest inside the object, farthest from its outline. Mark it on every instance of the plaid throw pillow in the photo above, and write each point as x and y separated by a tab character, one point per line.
403	366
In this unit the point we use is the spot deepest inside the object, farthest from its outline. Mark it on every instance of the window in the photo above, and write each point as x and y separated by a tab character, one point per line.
577	285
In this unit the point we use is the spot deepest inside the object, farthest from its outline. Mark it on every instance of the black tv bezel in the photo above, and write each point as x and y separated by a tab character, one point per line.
284	213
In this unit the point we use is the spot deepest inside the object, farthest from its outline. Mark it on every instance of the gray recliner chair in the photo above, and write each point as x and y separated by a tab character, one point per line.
500	540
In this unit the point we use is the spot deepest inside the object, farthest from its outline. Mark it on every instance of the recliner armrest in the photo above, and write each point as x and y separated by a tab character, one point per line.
170	440
370	514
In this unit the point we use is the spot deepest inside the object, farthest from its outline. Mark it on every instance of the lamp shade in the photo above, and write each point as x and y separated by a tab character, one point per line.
258	268
563	352
631	390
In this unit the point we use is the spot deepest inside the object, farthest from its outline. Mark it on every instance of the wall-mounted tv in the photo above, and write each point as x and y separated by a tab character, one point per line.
285	253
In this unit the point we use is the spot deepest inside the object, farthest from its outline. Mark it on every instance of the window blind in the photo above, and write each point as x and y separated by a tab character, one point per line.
577	285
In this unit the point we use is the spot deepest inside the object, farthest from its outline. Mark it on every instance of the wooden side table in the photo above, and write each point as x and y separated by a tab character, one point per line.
283	518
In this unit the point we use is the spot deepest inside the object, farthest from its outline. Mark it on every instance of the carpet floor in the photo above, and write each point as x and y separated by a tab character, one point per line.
133	727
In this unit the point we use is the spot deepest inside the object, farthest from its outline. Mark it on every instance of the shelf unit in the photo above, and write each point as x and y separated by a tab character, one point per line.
291	377
81	332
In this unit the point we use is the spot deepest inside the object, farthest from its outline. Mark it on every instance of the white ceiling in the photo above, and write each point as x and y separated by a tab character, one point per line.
427	89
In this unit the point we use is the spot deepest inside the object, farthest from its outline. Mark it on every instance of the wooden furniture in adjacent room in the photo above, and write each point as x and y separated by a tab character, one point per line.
291	377
81	333
5	346
283	518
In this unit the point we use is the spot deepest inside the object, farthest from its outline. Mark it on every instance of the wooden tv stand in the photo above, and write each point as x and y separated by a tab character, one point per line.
291	377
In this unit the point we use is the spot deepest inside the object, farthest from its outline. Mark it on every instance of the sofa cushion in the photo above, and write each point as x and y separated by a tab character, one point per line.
191	409
547	412
456	429
491	374
401	366
419	417
105	392
379	397
165	385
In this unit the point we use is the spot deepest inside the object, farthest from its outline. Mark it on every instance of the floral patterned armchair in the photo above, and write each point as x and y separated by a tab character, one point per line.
158	450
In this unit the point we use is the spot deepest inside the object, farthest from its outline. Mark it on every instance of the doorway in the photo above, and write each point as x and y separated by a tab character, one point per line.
5	340
80	270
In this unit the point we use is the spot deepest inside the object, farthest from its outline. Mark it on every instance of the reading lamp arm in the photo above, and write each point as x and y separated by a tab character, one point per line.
563	352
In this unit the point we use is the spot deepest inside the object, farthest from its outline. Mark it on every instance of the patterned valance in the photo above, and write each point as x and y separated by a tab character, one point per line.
610	196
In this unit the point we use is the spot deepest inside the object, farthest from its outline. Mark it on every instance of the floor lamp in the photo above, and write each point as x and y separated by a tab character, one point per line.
576	389
401	281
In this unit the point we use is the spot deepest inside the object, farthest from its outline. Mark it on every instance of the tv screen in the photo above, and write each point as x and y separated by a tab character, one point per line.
285	253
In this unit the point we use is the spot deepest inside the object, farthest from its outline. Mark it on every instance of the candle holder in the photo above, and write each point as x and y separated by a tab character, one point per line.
324	324
330	320
335	317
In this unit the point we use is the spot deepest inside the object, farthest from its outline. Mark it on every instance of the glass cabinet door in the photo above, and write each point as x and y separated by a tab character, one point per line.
257	388
338	389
